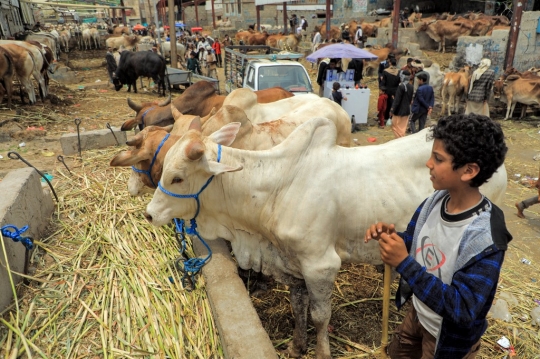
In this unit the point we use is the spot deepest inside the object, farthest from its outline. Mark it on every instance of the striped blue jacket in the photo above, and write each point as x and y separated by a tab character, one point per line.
464	303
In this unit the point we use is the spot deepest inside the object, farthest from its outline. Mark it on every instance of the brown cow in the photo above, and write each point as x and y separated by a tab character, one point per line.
455	85
199	99
289	42
480	26
443	30
24	68
517	89
335	33
382	55
272	40
257	38
243	35
368	29
6	74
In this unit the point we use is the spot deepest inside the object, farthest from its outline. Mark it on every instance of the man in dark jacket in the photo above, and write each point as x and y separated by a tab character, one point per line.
401	106
390	80
423	102
358	66
383	65
111	63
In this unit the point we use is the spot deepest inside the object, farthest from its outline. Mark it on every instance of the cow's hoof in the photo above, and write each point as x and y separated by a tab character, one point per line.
292	352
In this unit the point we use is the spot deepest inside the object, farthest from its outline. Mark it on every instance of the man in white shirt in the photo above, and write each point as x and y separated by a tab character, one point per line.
358	40
316	41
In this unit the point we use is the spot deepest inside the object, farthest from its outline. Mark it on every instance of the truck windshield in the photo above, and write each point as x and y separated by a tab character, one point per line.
290	77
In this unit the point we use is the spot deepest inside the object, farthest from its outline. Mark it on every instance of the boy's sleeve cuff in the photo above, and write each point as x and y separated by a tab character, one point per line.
407	267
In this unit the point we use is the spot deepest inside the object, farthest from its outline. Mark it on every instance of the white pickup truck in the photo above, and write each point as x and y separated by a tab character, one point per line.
262	67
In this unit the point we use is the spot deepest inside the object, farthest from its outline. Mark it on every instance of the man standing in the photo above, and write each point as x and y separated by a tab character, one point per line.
111	63
358	66
358	39
480	88
293	21
345	35
216	46
321	73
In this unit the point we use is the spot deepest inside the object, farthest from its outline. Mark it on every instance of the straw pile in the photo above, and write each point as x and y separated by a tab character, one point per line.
105	284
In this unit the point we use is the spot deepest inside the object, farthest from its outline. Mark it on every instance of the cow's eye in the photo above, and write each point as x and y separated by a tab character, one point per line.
177	180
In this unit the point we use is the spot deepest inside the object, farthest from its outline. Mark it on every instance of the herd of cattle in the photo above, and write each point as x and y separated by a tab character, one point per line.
259	201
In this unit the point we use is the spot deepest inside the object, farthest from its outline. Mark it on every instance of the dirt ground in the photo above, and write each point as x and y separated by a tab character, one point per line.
36	131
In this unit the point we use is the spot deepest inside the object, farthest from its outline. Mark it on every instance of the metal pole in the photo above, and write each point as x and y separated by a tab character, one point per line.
258	12
328	18
173	35
213	15
285	18
395	23
196	3
514	33
157	24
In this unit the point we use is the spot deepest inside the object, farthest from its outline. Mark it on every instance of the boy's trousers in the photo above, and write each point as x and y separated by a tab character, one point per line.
412	341
421	117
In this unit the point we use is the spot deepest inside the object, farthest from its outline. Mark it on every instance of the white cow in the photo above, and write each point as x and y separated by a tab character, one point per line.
292	211
180	50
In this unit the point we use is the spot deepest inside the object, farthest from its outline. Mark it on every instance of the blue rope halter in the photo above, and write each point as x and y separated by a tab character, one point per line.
144	115
11	231
193	265
148	172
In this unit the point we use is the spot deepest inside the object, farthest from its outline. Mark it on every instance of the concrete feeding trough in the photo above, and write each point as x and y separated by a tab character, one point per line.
91	140
24	202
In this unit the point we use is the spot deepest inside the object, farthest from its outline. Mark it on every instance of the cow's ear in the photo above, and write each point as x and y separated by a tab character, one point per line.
227	134
129	125
196	124
136	141
127	158
217	168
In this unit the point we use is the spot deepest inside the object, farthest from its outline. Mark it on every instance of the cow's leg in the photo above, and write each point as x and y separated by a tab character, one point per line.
319	279
523	111
135	86
299	302
443	44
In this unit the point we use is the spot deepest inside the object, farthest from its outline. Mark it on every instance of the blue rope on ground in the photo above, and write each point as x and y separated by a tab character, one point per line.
11	231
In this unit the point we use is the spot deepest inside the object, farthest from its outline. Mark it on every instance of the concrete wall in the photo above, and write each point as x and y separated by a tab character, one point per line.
528	46
472	49
24	202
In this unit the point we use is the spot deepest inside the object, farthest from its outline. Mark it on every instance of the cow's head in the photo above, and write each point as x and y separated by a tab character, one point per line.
117	83
498	87
142	109
145	145
188	165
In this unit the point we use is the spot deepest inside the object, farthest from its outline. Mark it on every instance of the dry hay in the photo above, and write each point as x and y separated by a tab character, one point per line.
102	288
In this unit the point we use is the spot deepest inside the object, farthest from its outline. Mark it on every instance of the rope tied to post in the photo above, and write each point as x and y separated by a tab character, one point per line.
11	231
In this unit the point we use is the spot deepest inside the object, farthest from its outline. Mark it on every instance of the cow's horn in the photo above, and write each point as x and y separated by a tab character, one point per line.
195	150
135	107
165	102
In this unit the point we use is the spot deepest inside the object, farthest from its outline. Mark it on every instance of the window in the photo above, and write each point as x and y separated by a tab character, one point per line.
251	78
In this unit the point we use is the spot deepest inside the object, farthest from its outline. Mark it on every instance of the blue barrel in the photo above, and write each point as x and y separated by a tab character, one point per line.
538	26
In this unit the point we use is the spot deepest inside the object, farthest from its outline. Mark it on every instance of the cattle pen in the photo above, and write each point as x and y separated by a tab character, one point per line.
103	282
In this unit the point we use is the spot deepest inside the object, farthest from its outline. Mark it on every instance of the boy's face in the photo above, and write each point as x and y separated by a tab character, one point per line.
442	174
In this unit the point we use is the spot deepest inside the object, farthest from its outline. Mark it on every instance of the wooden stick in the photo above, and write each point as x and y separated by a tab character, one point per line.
386	309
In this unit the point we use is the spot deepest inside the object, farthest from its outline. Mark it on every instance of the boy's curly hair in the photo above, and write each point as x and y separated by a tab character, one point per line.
472	139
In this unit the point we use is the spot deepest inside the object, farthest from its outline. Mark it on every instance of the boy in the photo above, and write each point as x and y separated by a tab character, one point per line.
423	102
193	63
337	96
450	256
381	106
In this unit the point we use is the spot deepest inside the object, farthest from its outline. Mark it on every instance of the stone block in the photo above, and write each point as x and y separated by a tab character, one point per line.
236	319
414	49
24	202
91	140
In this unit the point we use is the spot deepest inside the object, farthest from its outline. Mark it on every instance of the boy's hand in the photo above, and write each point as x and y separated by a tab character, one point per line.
375	231
392	248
